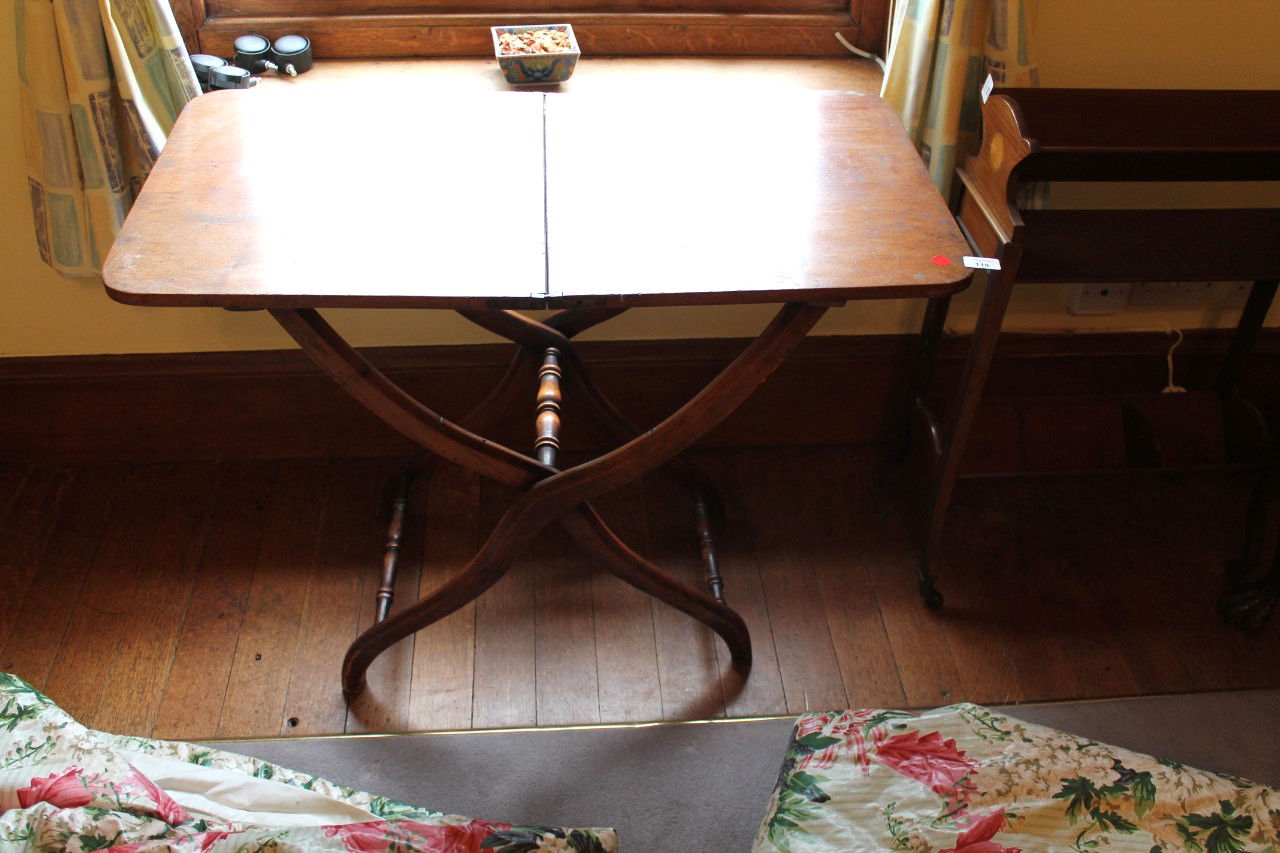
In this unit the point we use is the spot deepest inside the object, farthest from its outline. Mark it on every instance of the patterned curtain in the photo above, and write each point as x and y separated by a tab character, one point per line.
940	53
101	86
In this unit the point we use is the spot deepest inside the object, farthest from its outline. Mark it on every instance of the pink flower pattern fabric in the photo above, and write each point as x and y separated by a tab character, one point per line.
978	838
77	789
967	779
928	759
69	790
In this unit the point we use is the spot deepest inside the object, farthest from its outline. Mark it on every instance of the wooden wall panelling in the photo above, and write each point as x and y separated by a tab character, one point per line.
598	34
871	17
278	405
190	16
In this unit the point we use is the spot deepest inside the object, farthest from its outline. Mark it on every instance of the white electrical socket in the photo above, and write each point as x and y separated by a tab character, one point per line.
1097	298
1187	293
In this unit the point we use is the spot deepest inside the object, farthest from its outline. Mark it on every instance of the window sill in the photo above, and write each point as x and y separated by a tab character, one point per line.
598	74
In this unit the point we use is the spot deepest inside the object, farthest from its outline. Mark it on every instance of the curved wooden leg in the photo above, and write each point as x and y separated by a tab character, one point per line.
400	411
1265	493
549	495
963	411
420	466
555	495
535	337
484	570
1252	319
601	410
600	543
1249	604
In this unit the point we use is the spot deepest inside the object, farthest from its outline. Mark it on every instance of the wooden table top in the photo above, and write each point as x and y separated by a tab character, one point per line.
292	197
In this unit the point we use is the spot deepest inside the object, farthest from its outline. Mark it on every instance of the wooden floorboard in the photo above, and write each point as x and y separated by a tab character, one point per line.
796	544
688	665
30	520
266	647
625	640
1067	613
172	536
882	521
853	613
980	619
761	691
46	609
216	599
505	690
385	703
348	548
444	658
201	671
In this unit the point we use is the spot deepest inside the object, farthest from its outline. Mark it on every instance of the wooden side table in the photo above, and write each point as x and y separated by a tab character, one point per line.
493	202
1102	135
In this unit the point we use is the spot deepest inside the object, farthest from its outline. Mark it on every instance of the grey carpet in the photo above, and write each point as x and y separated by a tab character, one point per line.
702	788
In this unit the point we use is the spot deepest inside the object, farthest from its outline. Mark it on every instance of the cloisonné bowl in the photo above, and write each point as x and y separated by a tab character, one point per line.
525	69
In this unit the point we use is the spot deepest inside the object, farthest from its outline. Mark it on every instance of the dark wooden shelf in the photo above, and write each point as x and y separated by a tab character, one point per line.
1032	135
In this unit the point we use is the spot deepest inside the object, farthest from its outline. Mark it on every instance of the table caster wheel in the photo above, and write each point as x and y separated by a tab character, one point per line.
1248	606
932	598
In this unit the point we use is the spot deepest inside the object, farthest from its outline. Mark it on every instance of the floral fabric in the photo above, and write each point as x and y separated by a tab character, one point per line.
65	787
966	779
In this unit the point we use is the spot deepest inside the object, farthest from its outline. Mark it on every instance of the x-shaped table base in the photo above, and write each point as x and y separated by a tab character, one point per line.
549	494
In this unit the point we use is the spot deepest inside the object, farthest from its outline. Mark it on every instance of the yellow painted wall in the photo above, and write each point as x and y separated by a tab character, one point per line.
1133	43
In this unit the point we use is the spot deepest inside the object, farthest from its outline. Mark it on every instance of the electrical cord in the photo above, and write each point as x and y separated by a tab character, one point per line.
1170	388
862	53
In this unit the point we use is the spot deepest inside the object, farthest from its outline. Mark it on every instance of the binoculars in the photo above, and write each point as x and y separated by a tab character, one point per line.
254	54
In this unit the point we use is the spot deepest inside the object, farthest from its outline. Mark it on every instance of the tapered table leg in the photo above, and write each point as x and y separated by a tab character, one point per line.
964	410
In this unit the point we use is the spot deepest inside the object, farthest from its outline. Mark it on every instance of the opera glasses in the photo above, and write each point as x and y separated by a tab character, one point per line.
254	54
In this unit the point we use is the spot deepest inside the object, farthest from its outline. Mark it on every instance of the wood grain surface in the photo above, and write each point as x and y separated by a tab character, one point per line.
1117	593
651	200
297	197
741	198
653	35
